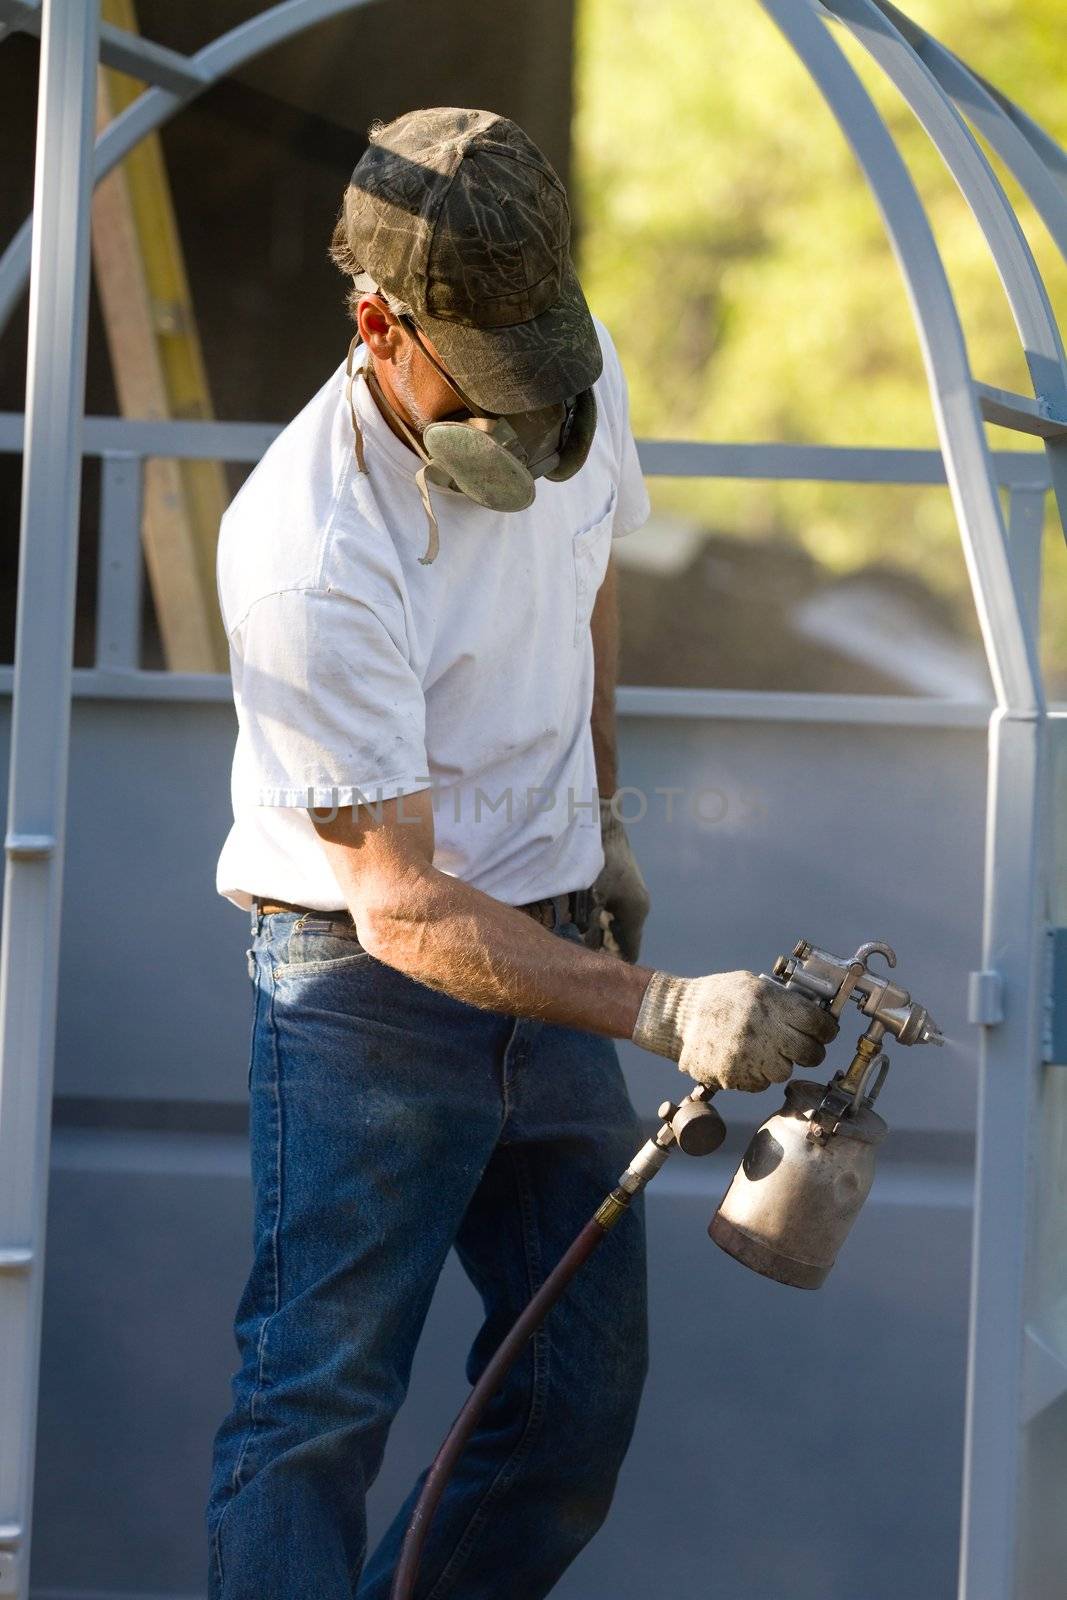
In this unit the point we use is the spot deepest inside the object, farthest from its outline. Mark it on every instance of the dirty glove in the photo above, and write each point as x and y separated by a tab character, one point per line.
619	891
732	1030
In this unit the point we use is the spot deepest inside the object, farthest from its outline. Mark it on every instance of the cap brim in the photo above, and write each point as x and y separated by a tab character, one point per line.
531	364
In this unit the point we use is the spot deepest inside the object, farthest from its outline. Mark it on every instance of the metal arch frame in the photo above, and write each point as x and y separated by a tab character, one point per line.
1008	995
1012	660
1019	847
1027	150
992	210
1017	865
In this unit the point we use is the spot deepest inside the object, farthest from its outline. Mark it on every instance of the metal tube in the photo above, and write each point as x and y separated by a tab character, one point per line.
119	565
1036	160
1010	1050
1012	663
29	949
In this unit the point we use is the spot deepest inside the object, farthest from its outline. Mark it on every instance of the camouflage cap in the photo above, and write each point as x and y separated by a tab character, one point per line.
459	215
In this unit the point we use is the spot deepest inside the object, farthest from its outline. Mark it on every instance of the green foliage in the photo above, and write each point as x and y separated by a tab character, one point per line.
730	242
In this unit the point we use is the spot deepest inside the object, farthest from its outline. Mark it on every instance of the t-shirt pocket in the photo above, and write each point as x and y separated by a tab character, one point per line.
592	547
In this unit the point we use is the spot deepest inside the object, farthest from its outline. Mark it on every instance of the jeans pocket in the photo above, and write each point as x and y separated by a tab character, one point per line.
319	944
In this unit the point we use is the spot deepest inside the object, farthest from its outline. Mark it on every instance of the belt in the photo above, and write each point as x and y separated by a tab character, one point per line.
553	912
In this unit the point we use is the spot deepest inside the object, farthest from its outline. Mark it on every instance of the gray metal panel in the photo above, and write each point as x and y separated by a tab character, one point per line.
834	834
834	831
898	810
150	1250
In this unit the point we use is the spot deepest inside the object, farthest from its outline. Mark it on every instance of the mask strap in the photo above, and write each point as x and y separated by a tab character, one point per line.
350	378
411	328
433	543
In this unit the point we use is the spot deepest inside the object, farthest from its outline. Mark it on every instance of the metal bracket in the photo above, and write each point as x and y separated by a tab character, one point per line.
1054	1041
985	998
1044	1374
29	846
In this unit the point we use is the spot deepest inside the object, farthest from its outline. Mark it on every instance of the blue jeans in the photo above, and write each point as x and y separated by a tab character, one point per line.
389	1123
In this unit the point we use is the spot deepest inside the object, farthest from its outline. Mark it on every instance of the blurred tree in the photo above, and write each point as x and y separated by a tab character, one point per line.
731	244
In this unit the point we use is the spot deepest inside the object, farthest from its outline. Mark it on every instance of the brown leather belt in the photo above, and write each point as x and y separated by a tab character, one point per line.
554	912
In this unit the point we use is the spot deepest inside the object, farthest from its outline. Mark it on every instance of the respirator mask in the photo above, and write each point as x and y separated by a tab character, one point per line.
491	458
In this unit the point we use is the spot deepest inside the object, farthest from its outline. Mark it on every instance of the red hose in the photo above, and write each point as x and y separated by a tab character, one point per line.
526	1324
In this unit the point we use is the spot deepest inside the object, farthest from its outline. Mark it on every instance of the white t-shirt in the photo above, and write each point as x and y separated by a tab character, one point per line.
360	674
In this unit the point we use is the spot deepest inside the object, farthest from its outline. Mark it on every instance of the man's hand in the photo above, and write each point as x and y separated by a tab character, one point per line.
733	1030
620	889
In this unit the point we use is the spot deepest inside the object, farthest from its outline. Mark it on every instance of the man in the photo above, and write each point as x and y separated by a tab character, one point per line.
423	650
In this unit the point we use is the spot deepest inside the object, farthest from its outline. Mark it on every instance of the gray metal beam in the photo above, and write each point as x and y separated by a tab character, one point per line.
150	62
126	52
700	705
1021	412
855	710
119	564
663	458
669	458
173	440
29	947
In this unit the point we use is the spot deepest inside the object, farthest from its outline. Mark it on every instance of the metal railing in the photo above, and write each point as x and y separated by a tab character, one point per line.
123	446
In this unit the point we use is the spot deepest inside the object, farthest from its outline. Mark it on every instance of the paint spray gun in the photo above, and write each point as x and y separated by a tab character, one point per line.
798	1190
809	1168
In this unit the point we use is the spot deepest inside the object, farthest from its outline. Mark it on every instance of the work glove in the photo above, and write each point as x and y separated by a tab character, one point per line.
620	896
733	1030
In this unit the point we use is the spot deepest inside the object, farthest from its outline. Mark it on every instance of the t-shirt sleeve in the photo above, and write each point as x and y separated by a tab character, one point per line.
632	506
331	711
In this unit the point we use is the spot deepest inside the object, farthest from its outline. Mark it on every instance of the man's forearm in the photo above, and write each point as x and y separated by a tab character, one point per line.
454	938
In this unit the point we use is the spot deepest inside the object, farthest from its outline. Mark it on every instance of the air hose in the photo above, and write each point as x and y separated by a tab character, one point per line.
694	1127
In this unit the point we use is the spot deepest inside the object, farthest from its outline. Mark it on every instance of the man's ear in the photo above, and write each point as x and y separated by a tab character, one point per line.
378	328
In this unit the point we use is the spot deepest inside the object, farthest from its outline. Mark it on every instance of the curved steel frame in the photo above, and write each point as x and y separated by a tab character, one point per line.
1007	995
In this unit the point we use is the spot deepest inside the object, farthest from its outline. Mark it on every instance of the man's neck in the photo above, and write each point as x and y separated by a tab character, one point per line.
383	386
